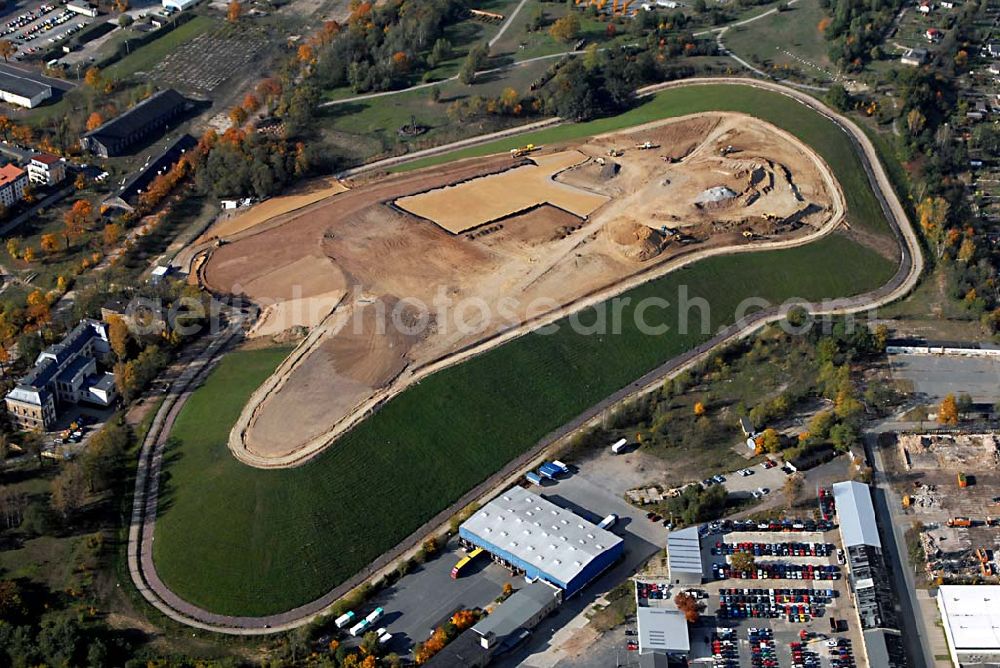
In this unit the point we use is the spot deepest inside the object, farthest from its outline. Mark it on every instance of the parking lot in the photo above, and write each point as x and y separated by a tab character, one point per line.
37	27
778	613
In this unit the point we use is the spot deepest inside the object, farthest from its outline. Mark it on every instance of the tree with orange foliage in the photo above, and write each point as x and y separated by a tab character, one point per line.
28	255
23	133
823	24
687	604
238	116
306	54
112	233
5	126
50	243
269	89
77	218
699	408
7	49
95	120
38	307
401	61
330	30
251	103
92	77
233	11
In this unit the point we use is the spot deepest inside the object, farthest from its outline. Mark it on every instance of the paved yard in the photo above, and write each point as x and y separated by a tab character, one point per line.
934	376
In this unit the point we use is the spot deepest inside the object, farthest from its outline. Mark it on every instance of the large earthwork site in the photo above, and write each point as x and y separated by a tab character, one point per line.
406	273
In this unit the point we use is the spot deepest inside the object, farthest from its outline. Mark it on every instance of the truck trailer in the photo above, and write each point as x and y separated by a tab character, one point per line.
562	467
344	619
550	471
619	445
533	478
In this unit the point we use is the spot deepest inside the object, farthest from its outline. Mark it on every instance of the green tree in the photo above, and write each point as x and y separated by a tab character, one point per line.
565	29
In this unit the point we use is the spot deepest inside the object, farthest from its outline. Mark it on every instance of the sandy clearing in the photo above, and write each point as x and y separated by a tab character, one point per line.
478	201
309	193
306	312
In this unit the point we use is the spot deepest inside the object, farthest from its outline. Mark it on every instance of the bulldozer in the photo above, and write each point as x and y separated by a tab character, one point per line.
647	145
522	150
726	150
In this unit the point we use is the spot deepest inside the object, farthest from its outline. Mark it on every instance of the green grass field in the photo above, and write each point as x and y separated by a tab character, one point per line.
239	540
786	39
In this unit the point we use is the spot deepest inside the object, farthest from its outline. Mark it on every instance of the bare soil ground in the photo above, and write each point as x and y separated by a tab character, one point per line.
308	193
387	260
478	201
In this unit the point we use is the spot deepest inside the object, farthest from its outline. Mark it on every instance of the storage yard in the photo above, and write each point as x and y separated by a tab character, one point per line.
707	181
949	484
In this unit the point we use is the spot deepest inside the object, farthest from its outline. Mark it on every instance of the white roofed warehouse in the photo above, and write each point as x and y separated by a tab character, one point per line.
531	535
970	615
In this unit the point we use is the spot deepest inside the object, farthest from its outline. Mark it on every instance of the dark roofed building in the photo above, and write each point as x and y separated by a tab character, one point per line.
161	163
146	120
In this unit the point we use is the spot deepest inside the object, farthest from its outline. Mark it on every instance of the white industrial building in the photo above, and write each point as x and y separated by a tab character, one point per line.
22	91
971	620
531	535
662	631
178	5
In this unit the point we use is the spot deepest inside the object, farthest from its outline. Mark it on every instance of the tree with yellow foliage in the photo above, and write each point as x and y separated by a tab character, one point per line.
948	410
233	11
699	408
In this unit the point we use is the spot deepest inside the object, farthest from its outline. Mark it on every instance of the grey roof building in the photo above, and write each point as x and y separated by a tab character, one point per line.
525	608
684	556
869	578
856	514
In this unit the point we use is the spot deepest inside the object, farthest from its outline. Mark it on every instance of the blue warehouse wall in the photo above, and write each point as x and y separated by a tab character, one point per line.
591	571
600	564
530	570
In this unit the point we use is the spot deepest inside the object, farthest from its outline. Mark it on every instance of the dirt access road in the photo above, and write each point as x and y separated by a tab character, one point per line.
648	214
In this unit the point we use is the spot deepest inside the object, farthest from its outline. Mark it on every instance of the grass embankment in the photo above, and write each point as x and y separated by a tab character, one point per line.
238	540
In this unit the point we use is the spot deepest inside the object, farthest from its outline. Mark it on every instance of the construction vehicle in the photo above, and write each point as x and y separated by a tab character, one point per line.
726	150
959	522
907	500
601	161
522	150
988	569
647	145
615	152
963	481
983	555
748	235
